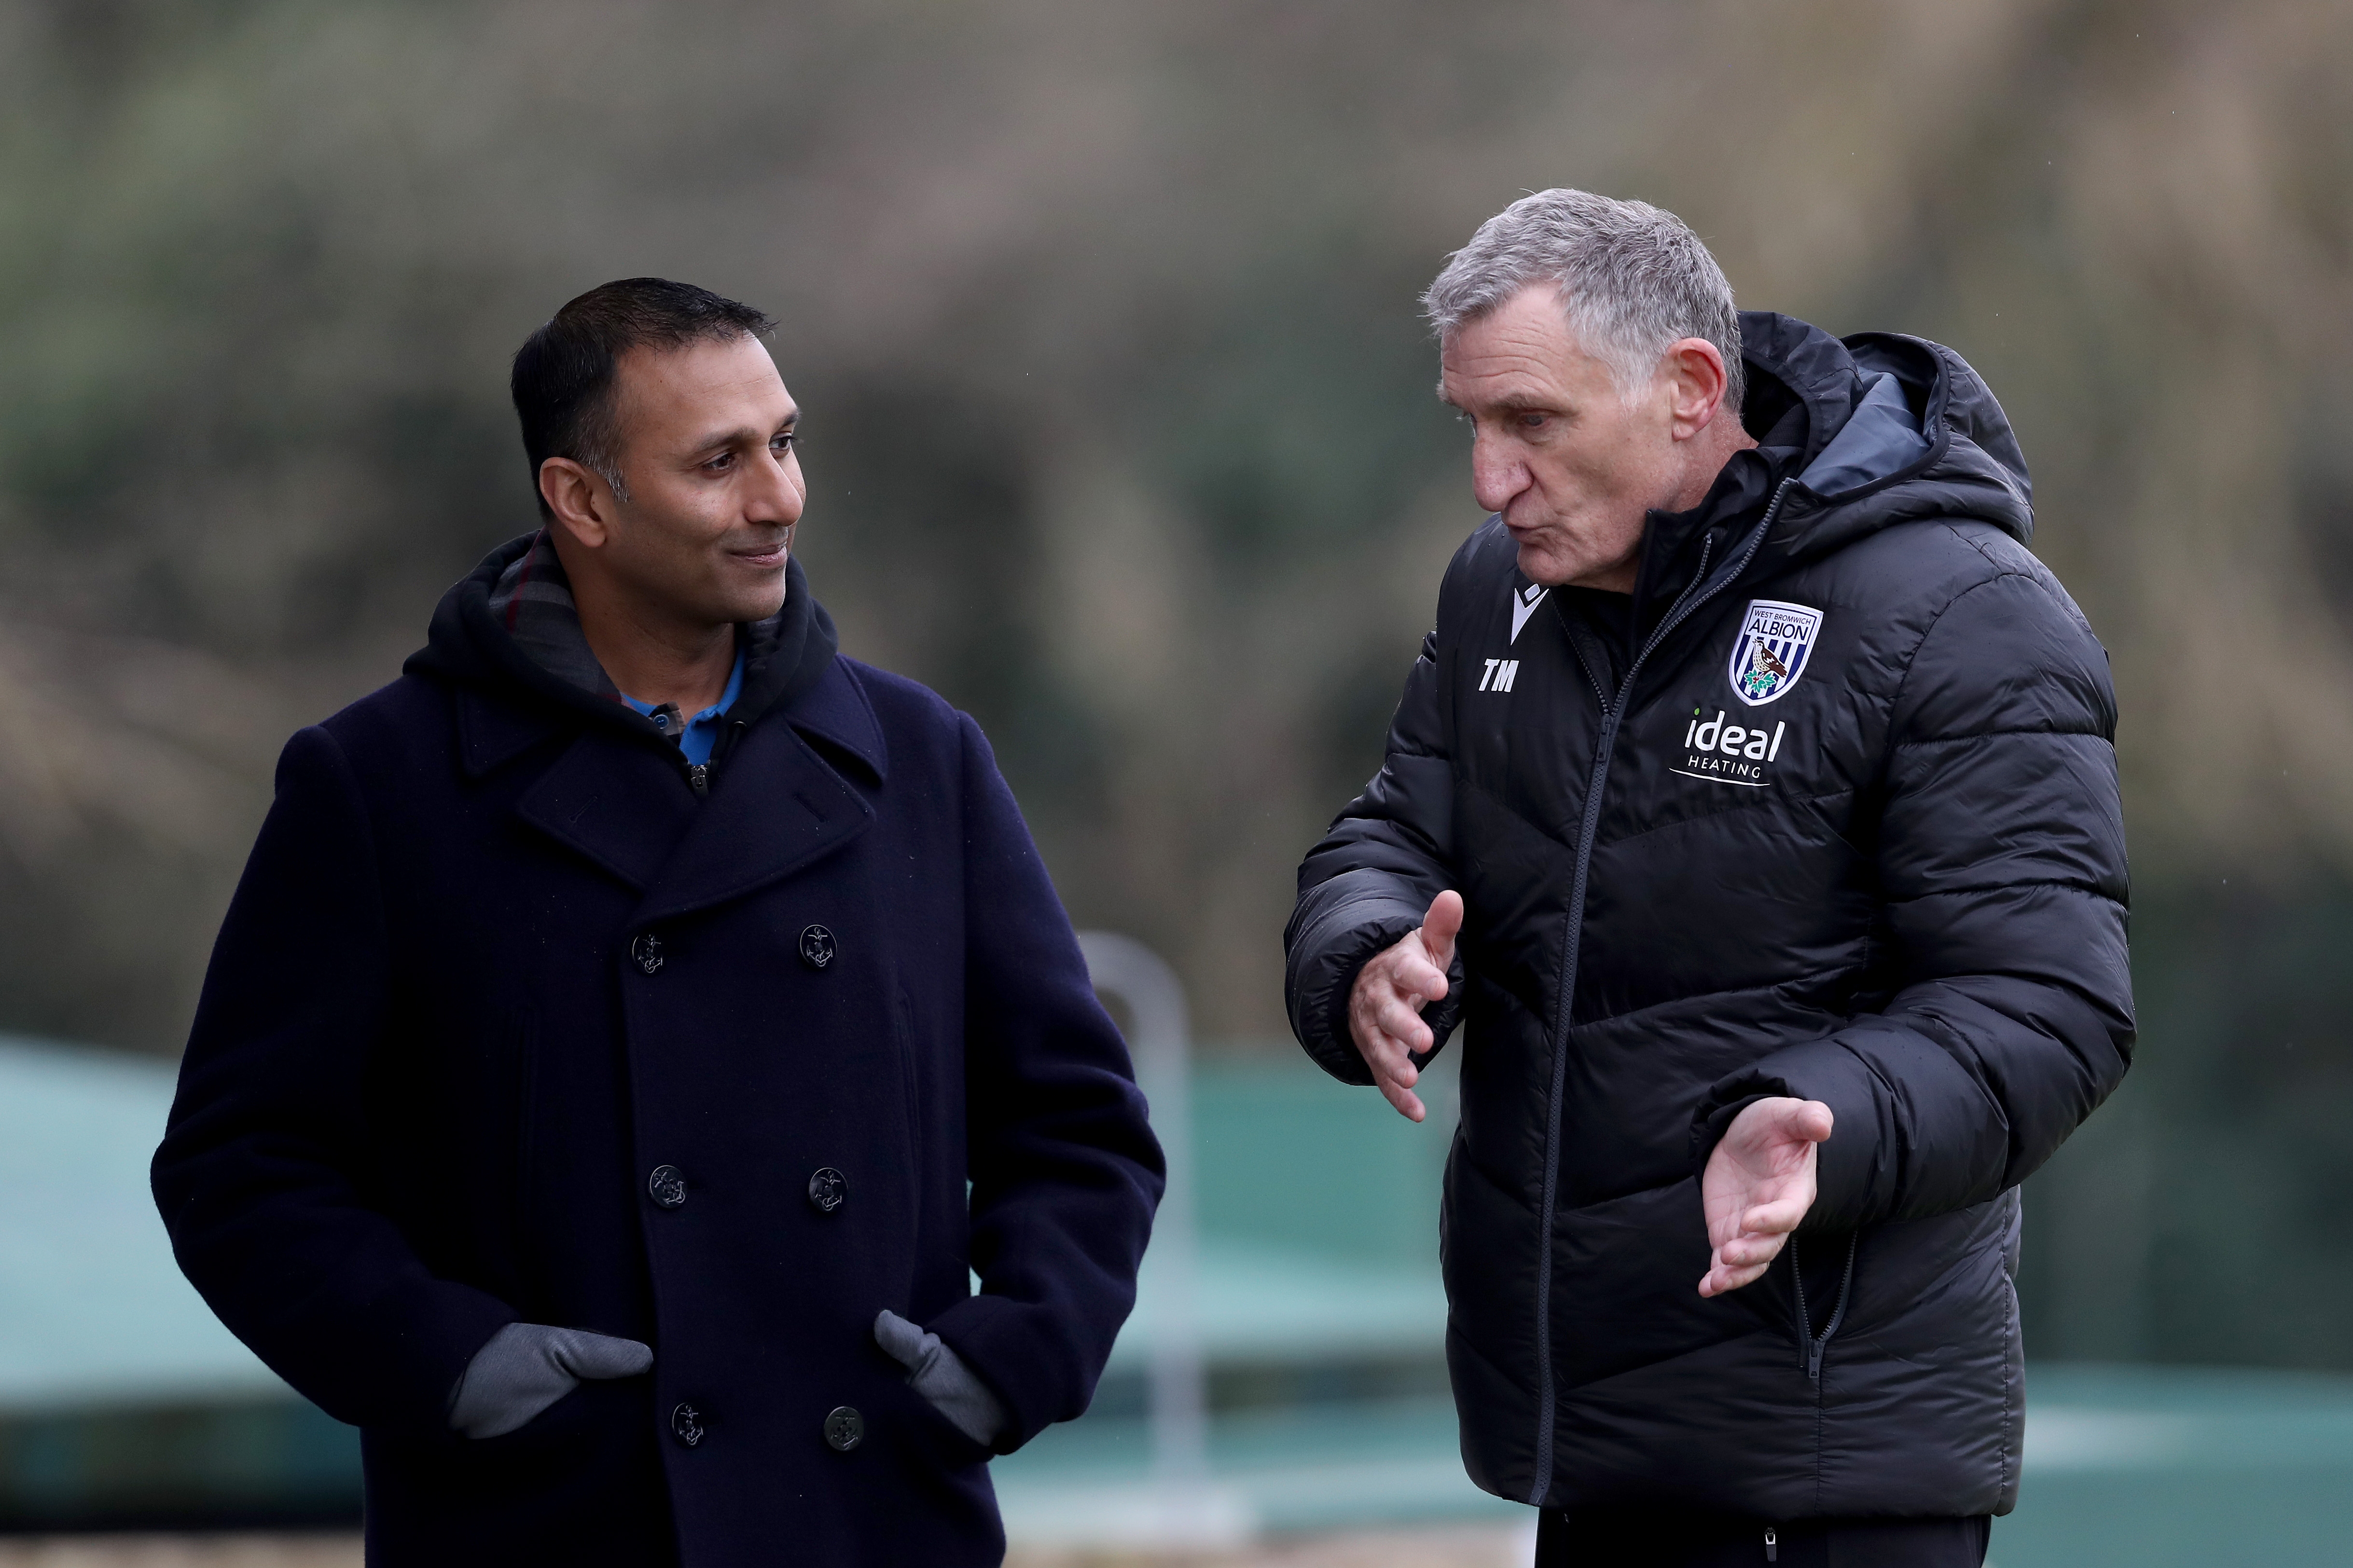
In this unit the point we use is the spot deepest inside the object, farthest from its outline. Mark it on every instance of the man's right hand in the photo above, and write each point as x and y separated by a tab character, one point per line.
1384	1005
526	1367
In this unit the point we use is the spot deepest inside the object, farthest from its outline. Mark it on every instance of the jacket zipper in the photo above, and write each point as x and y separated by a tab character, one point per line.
1810	1345
699	774
1692	598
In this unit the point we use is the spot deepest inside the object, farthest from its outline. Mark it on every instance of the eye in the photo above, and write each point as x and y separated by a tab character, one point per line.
783	441
720	463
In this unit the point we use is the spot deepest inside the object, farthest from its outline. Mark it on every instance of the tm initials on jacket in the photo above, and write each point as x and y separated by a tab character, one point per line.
518	1015
1830	810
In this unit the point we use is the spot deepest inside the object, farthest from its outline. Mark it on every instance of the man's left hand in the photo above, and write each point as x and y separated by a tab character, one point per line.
1758	1184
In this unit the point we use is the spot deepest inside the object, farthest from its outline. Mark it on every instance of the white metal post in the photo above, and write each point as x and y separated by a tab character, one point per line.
1161	1039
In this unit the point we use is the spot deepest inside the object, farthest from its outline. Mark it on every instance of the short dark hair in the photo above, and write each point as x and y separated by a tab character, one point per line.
563	380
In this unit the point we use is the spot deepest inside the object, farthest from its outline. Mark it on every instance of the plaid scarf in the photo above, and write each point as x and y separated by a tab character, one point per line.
533	602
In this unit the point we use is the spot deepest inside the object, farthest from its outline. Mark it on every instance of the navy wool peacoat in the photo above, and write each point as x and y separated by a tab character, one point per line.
516	1017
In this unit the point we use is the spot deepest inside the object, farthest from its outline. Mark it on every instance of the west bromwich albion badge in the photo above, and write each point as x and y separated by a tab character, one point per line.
1771	651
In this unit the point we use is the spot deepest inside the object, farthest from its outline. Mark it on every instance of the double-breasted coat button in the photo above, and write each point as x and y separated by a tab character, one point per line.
828	1188
817	947
667	1186
686	1425
844	1428
648	950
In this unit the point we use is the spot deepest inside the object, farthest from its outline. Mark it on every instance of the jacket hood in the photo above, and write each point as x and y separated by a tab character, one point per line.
785	656
1876	429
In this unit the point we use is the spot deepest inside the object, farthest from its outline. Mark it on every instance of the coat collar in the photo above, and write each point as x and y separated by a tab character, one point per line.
837	710
493	729
625	809
621	807
781	801
778	808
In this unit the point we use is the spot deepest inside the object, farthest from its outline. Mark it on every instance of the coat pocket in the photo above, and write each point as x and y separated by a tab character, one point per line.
1821	1311
910	1077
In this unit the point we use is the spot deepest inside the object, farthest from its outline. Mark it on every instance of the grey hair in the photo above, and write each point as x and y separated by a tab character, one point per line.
1633	278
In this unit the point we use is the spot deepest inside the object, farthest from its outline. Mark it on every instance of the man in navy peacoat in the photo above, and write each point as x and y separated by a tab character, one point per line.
637	1023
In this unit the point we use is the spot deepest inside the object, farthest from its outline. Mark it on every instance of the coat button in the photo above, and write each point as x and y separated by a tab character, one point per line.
817	947
648	950
844	1428
686	1425
667	1186
828	1188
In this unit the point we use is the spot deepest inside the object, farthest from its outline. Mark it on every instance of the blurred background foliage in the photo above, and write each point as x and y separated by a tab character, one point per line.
1120	435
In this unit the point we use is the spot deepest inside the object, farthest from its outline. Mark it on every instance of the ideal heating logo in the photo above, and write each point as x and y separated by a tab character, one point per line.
1728	754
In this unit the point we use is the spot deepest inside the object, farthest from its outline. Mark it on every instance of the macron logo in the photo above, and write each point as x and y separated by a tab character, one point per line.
1524	604
1501	673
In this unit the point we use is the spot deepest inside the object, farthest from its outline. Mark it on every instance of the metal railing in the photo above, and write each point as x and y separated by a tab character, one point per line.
1189	1506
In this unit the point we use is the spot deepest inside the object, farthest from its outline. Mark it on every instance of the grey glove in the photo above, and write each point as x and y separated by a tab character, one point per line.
940	1375
526	1367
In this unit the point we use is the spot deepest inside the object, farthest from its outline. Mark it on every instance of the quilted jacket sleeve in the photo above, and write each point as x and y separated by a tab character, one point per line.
1371	880
2001	859
1065	1170
254	1177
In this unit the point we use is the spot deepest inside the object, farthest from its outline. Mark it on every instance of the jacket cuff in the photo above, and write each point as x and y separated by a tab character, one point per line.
418	1339
1323	972
1851	1166
998	1340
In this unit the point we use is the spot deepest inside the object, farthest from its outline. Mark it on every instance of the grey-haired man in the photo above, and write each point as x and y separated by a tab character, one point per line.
1754	805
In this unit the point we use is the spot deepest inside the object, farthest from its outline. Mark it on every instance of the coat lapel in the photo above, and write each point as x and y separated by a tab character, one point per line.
622	805
779	806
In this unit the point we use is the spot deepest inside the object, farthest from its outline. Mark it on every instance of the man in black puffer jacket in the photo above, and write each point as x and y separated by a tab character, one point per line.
1769	782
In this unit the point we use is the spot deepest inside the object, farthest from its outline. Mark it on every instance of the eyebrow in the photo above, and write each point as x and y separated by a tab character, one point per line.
743	433
1515	405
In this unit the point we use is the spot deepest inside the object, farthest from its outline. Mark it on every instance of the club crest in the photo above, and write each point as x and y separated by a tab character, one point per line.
1771	654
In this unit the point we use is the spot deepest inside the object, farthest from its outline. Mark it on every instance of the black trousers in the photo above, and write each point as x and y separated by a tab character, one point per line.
1648	1538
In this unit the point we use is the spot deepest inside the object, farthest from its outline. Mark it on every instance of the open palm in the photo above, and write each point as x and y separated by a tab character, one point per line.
1758	1184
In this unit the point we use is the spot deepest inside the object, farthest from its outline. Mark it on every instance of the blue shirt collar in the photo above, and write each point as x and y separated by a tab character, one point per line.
701	732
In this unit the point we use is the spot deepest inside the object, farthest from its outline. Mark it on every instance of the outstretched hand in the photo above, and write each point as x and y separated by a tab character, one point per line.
1386	1003
1758	1184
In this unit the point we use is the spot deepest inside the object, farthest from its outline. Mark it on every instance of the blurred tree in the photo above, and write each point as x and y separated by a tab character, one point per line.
1121	432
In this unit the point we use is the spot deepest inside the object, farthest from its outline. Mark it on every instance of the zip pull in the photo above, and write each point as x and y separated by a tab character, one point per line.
1816	1343
699	775
1772	1546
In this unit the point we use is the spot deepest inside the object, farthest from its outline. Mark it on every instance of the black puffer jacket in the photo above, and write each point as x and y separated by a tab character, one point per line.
1828	810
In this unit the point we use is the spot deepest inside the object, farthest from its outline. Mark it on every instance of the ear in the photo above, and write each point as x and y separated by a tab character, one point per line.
580	497
1693	369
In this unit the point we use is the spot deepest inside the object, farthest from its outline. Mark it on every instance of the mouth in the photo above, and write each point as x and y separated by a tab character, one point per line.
764	557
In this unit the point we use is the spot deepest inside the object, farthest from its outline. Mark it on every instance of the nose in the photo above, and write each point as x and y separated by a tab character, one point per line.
1497	472
778	493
